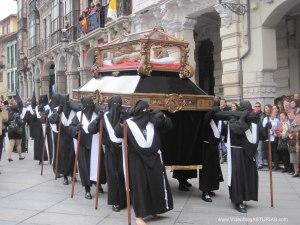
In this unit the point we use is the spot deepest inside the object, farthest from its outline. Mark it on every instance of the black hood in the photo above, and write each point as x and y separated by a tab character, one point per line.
43	100
114	108
55	100
245	105
19	101
141	113
88	106
33	100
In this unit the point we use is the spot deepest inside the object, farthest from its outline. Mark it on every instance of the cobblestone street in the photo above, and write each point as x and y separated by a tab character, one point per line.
28	198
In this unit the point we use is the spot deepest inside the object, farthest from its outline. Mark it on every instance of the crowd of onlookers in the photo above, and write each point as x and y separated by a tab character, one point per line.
92	17
280	123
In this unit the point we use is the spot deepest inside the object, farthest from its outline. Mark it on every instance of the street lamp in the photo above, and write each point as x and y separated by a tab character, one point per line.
237	8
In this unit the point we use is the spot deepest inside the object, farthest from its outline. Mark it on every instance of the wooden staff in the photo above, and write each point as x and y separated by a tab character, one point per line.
99	161
125	131
76	156
44	146
57	148
270	165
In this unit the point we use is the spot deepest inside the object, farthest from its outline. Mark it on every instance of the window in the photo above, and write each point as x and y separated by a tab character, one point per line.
8	81
1	77
68	6
32	31
55	16
8	56
11	81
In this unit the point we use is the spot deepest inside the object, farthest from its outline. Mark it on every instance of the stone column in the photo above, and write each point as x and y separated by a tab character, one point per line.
37	84
230	54
21	90
29	79
61	82
73	81
85	75
25	87
45	85
259	67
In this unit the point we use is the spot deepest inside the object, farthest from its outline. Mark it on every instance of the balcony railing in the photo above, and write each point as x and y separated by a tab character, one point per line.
55	38
99	19
32	52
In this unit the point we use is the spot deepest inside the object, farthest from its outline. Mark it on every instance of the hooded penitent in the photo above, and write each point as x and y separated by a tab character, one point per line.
19	101
43	100
55	100
141	113
115	107
245	105
88	106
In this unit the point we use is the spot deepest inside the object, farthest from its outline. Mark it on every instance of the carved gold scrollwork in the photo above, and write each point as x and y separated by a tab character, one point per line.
99	97
144	66
186	70
174	102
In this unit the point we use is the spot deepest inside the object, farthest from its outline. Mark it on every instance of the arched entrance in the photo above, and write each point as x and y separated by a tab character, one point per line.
73	75
208	53
48	78
285	19
60	75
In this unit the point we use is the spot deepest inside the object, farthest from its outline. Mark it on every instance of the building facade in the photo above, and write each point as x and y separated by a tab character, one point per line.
250	51
8	61
57	52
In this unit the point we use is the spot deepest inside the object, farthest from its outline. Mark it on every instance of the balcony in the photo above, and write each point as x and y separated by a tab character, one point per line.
41	3
99	19
22	23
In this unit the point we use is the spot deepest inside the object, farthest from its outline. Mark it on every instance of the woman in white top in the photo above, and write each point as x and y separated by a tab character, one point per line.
271	123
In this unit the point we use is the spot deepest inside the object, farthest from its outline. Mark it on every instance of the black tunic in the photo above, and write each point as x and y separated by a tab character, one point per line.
211	175
150	190
66	153
113	167
36	132
85	154
244	181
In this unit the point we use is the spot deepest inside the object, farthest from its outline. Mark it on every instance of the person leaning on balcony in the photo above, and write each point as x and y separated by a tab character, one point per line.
84	22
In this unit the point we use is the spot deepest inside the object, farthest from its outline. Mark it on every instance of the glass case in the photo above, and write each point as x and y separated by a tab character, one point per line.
152	50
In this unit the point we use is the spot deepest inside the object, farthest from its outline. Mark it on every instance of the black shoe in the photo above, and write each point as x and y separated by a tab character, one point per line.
260	167
183	187
116	208
101	190
10	160
240	207
66	181
21	157
211	193
284	170
188	184
205	197
88	195
276	168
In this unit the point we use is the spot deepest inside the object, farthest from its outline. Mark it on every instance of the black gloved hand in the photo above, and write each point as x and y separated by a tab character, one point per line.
244	115
47	112
159	115
79	127
269	125
215	109
60	109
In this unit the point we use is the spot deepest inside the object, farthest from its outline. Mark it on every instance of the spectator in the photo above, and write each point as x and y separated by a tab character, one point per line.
271	122
286	105
276	109
282	134
260	147
293	104
234	106
14	132
294	136
223	105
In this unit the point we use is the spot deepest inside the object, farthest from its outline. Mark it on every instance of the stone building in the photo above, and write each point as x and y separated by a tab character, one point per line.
8	58
55	52
240	48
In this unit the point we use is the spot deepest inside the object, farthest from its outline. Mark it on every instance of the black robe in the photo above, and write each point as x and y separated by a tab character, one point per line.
36	133
244	181
150	190
66	153
85	154
113	167
210	175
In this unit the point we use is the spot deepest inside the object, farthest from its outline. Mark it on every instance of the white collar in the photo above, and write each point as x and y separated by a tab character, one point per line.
110	130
